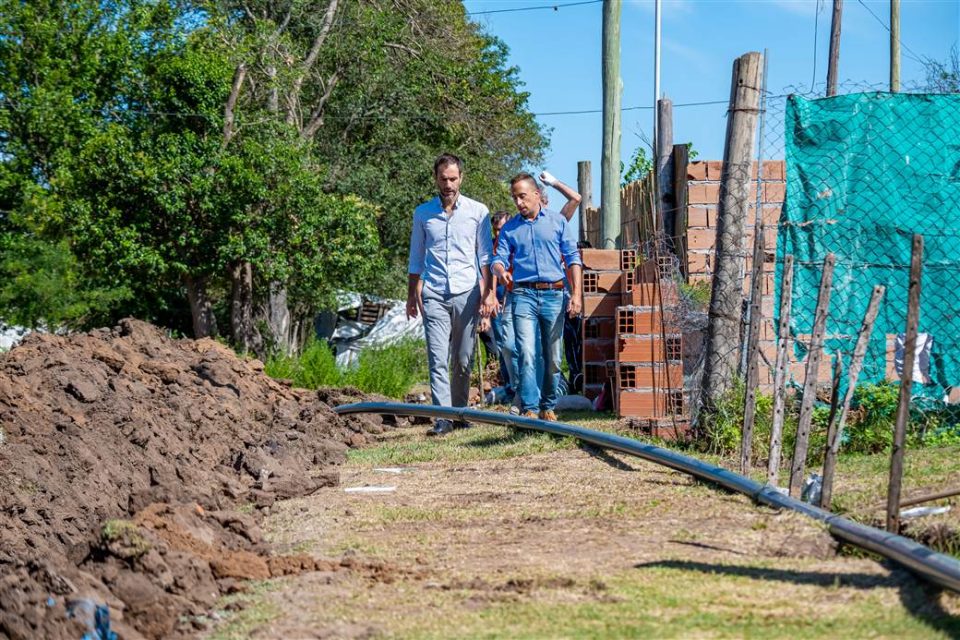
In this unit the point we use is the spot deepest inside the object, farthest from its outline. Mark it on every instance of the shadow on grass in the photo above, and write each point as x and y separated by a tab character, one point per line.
920	599
603	456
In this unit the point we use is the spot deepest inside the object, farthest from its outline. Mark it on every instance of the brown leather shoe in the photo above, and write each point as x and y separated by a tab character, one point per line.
529	414
548	415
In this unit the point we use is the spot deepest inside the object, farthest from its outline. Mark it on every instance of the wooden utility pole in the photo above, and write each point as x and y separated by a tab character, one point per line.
665	201
894	46
585	189
810	376
906	386
610	161
834	48
723	329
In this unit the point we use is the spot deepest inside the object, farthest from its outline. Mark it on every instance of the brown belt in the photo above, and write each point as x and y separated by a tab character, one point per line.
540	285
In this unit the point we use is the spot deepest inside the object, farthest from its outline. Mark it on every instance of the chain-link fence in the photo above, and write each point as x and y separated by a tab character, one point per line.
865	170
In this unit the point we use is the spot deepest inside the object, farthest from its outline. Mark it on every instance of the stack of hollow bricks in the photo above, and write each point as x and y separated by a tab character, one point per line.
626	344
703	197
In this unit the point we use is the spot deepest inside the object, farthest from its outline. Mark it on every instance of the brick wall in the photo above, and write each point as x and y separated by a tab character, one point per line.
703	196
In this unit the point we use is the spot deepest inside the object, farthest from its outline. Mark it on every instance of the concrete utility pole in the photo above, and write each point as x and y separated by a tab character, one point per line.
723	329
585	189
894	46
834	48
610	162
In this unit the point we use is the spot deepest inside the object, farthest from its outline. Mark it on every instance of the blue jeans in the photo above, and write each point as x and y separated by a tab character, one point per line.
535	309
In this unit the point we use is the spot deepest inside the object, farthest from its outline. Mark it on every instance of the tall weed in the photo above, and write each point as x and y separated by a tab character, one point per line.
389	370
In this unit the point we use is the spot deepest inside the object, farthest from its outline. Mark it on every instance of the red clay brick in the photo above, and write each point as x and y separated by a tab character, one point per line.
703	193
701	238
774	192
700	262
697	170
699	216
600	259
714	169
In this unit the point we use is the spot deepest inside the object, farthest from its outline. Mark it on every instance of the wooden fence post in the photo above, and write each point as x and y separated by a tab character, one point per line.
835	430
753	348
906	386
585	188
810	378
780	372
723	331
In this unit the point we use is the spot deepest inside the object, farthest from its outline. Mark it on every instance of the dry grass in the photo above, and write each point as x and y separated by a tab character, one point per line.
492	534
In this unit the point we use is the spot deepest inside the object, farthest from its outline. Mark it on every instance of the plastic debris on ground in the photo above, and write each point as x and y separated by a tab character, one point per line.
370	321
812	487
369	489
919	512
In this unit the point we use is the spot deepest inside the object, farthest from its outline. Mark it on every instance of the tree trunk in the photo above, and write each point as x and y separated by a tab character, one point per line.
245	334
278	319
201	307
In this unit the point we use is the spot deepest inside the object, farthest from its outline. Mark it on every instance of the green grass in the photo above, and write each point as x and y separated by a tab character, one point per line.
390	370
257	612
477	443
682	599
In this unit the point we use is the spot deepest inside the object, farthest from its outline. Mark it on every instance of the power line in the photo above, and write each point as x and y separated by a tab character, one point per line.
913	56
555	7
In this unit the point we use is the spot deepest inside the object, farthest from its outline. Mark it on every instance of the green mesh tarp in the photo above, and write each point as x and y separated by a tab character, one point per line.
864	173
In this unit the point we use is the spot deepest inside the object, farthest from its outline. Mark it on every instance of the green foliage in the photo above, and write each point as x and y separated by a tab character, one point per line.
697	292
722	428
640	165
389	370
119	157
41	285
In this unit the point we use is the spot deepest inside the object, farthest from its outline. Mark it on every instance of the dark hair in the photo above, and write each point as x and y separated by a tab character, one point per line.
520	177
446	159
499	214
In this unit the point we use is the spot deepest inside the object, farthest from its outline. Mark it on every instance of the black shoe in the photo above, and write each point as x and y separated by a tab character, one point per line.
461	424
443	426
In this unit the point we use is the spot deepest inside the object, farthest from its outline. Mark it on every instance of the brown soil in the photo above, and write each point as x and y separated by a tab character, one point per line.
135	470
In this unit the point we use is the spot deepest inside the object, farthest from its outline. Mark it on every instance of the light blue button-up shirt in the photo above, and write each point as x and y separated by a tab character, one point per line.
535	247
447	251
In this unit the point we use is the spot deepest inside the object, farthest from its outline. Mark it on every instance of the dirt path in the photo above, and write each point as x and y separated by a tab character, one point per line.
568	542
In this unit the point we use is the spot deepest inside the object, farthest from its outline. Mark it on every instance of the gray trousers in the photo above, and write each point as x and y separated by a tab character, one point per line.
449	322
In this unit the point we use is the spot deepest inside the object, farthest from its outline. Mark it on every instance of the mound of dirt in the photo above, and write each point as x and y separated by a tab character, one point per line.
133	471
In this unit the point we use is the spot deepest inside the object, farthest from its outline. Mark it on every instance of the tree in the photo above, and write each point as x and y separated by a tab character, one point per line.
943	77
234	164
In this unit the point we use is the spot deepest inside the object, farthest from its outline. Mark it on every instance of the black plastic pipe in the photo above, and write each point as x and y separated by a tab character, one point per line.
923	561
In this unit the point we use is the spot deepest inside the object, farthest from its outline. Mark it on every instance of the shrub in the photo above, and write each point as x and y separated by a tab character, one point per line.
390	370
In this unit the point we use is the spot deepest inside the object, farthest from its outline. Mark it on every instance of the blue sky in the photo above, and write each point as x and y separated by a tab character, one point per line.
558	55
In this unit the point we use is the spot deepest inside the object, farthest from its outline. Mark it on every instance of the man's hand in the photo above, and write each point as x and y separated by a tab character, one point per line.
575	307
413	307
502	274
488	306
484	324
547	178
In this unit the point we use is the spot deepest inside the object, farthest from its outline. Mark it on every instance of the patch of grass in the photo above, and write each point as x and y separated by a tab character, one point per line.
679	599
481	442
257	612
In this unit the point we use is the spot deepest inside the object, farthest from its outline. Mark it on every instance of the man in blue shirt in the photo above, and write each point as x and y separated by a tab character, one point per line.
538	243
449	281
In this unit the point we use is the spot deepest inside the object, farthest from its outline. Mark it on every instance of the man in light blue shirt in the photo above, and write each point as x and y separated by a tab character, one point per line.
449	281
538	244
